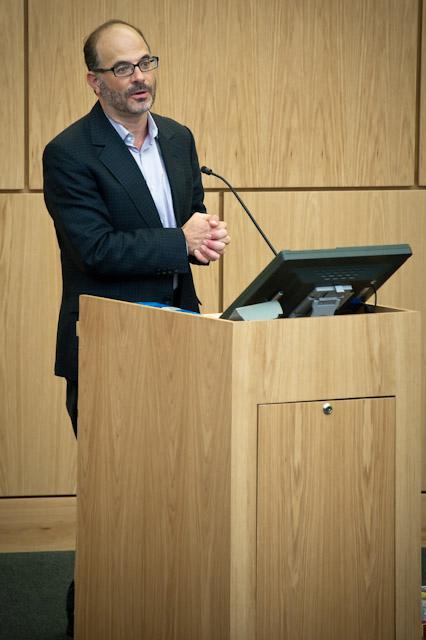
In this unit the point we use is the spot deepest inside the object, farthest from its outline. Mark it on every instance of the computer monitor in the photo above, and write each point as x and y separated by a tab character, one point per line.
320	282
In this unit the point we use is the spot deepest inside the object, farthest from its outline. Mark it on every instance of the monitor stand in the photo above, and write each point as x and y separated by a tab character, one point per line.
322	301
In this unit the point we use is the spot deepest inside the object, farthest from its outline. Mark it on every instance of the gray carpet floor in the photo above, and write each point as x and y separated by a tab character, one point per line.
33	588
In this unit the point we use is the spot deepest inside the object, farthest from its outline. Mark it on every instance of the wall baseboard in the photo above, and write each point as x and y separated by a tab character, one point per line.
37	524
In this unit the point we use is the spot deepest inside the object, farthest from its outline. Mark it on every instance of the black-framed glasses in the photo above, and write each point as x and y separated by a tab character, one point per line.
125	69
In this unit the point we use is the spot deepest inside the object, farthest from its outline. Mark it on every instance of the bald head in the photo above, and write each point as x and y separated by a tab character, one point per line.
106	36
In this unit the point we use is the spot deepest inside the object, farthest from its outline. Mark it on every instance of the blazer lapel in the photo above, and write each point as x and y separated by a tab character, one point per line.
116	157
172	157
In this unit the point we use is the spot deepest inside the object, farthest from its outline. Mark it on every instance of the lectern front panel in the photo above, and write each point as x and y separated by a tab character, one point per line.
326	521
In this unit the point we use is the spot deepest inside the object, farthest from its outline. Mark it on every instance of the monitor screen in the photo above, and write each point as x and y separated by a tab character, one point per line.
321	281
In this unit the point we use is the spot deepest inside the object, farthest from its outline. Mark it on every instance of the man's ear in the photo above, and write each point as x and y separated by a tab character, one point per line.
93	81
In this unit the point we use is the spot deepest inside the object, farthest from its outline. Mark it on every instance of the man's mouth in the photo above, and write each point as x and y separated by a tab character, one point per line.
140	93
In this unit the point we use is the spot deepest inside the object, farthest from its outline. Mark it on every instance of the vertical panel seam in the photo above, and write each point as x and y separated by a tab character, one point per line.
26	99
418	95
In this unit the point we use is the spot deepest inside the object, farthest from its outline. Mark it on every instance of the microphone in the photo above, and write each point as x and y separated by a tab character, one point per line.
210	172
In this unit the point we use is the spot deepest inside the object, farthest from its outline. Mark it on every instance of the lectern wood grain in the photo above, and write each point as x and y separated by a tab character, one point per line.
170	499
326	521
154	491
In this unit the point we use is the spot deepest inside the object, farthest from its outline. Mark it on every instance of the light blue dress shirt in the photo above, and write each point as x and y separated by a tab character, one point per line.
149	160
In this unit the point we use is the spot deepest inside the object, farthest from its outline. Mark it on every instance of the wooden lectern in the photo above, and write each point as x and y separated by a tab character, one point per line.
247	480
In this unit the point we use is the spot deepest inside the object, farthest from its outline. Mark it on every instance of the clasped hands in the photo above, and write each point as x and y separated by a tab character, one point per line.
206	237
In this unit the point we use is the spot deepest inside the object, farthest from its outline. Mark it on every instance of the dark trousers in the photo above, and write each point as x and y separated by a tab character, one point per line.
71	402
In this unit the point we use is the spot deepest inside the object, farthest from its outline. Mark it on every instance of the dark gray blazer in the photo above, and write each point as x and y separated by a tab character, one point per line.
110	235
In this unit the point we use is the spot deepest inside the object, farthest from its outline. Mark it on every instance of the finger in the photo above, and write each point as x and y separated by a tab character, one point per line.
214	221
209	254
219	234
225	240
215	245
200	257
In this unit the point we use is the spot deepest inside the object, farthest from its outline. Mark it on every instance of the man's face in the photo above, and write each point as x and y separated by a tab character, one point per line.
129	96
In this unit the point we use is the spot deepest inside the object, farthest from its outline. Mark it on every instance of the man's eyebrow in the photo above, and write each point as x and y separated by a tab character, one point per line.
147	55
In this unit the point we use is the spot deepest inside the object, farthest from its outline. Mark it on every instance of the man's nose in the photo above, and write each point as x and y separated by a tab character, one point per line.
137	74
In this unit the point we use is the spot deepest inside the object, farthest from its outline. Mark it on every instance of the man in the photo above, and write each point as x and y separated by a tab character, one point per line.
124	190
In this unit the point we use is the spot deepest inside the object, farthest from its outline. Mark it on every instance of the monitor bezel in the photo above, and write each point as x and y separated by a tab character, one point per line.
283	274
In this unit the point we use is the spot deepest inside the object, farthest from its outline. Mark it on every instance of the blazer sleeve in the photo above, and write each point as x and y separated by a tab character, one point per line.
86	231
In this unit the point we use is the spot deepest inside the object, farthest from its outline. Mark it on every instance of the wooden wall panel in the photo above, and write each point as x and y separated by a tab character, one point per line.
37	442
318	93
12	162
323	219
277	92
58	93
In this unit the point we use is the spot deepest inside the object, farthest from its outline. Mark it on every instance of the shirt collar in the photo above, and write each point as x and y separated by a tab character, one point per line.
128	138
